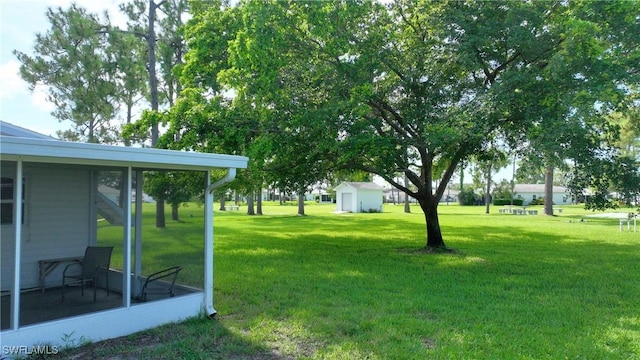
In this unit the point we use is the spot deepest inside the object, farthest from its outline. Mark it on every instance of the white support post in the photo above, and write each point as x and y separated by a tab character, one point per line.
208	247
126	254
138	234
208	237
17	224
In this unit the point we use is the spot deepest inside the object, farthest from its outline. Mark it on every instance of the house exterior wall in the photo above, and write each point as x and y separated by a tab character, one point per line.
47	234
559	198
530	192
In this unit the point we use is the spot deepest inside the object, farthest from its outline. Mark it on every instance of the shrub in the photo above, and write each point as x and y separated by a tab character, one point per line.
538	201
467	197
517	202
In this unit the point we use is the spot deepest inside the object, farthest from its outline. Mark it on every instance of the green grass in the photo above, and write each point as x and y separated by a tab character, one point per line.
352	286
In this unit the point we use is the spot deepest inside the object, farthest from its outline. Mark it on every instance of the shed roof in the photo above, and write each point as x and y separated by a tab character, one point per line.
62	152
537	188
364	185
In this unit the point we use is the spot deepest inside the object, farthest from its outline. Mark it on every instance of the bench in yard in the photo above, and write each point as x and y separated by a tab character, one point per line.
628	220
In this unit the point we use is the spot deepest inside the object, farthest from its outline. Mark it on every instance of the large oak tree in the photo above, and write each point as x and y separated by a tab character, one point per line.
412	82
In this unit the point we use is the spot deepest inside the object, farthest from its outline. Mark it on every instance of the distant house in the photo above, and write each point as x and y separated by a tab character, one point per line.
359	197
531	192
450	195
318	194
395	196
391	195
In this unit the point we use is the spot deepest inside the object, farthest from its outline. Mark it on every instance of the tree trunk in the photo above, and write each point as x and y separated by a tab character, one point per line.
153	77
153	90
461	175
127	141
548	190
487	194
160	222
301	203
92	136
250	209
259	203
434	234
407	207
174	212
222	203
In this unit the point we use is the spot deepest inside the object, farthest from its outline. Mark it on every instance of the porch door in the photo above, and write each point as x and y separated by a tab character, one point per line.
346	202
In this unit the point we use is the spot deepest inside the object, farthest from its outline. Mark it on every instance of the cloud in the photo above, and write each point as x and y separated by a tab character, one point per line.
12	84
13	87
39	98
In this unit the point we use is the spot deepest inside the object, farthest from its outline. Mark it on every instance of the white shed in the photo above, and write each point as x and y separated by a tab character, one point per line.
531	192
359	197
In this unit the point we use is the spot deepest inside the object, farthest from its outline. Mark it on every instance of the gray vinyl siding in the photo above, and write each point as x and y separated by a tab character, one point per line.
56	221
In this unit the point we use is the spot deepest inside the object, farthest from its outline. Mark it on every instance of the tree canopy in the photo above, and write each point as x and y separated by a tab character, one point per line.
412	88
311	89
73	58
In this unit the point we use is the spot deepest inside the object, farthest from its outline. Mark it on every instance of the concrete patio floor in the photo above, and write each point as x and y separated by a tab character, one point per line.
37	307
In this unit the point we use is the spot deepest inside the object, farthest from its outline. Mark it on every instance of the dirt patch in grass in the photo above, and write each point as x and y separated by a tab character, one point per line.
122	348
195	338
429	251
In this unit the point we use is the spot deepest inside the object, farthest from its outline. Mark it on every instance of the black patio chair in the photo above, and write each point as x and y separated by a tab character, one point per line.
94	265
153	285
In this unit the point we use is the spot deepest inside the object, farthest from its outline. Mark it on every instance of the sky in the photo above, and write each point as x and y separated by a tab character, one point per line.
20	21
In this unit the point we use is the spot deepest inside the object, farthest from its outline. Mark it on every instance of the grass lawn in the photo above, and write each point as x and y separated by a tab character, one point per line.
352	286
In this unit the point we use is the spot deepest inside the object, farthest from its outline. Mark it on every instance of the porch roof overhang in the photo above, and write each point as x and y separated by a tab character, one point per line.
62	152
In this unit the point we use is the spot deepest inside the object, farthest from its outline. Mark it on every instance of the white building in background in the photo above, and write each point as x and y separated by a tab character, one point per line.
531	192
359	197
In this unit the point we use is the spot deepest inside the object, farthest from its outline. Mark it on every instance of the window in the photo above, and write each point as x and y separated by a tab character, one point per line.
7	202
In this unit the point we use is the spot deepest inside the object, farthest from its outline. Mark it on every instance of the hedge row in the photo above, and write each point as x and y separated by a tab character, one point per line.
517	202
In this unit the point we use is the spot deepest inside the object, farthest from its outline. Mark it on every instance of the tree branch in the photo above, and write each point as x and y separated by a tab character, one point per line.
397	123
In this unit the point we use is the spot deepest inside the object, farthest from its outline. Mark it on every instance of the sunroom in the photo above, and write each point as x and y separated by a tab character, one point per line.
51	209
